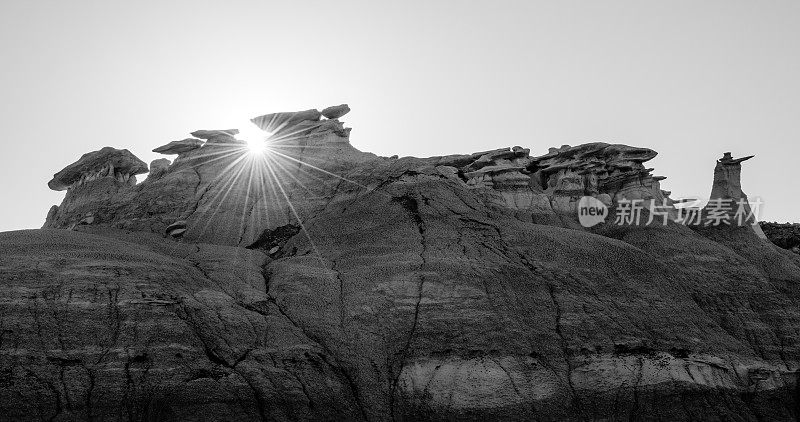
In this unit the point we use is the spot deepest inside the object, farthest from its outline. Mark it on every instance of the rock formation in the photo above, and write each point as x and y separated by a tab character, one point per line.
728	204
306	126
727	178
106	163
318	282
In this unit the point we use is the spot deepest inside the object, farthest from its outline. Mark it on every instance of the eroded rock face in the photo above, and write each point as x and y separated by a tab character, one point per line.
253	287
551	185
598	168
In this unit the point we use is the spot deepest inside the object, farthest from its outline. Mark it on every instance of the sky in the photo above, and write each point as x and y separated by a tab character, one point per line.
688	79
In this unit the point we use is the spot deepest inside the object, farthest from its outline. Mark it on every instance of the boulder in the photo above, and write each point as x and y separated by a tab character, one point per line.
335	112
158	167
176	229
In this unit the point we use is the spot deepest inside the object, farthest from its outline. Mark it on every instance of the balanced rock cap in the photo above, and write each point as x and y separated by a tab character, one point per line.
335	112
209	134
121	160
727	158
277	121
180	147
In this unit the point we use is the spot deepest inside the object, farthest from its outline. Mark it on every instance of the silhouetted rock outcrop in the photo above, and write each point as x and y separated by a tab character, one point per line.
318	282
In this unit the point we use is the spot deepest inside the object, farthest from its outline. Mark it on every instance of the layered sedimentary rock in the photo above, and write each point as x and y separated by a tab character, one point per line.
318	282
552	185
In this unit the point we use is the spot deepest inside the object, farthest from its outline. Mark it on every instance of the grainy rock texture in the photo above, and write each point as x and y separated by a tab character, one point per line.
785	235
318	282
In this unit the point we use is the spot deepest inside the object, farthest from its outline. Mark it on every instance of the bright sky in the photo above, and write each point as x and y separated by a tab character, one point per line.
689	79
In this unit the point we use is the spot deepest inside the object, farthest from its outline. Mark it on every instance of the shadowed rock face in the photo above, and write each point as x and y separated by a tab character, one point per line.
391	289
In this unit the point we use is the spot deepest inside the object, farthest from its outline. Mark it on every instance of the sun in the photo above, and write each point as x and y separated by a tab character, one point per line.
256	138
255	145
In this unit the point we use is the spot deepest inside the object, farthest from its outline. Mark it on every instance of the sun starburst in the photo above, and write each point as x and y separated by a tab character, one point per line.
260	182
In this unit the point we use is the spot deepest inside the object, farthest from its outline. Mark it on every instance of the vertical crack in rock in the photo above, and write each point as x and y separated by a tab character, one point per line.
411	205
797	395
200	192
341	295
576	402
89	391
336	364
514	385
215	358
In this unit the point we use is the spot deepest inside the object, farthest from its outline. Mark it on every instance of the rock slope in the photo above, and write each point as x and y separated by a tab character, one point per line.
318	282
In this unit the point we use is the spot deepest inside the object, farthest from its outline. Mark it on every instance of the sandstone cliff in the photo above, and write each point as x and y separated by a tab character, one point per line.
319	282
